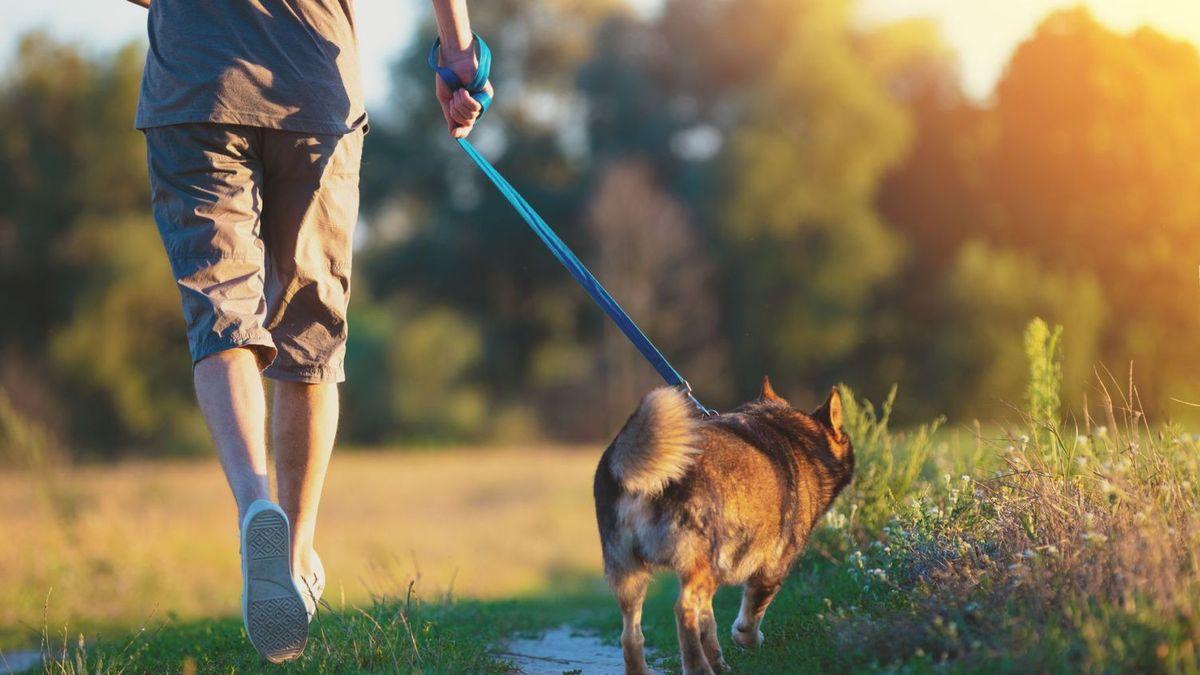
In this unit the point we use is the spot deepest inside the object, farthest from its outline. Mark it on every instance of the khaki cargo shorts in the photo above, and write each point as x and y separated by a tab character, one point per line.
258	225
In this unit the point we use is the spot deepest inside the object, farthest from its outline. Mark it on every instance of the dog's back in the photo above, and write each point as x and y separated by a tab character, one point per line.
743	489
725	500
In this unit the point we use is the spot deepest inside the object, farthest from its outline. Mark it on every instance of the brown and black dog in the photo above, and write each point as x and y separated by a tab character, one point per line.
726	500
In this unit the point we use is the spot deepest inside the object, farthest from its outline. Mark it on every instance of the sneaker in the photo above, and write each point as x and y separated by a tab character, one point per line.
272	607
312	586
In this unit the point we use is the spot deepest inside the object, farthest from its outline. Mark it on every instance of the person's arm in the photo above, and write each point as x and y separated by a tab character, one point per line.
458	54
141	3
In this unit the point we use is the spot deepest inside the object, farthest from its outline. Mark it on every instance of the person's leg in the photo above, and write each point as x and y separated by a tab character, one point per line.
304	422
206	180
310	209
229	389
205	183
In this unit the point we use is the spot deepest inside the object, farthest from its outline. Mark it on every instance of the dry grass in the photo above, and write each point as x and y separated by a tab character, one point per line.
1079	554
124	544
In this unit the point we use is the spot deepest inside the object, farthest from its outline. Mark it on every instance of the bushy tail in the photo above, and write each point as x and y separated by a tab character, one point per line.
658	444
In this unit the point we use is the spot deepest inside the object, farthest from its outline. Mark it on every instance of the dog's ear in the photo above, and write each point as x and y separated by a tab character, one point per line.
767	393
830	412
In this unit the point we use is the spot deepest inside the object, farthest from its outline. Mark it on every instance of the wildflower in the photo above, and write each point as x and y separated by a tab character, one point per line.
836	520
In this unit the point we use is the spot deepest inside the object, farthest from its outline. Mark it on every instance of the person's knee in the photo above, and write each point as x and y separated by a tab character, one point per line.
308	392
228	359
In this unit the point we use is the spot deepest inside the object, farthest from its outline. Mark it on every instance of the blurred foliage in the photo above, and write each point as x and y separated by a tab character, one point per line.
91	336
767	187
1094	169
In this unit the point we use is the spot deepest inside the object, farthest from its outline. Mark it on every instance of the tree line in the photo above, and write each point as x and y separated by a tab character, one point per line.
829	208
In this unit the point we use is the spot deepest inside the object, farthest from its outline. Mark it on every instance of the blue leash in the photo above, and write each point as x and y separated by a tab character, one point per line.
544	231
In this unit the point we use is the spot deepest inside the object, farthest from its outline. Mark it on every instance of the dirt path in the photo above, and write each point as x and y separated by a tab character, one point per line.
563	650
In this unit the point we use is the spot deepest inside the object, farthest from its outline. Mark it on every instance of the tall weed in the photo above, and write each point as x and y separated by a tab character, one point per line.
888	465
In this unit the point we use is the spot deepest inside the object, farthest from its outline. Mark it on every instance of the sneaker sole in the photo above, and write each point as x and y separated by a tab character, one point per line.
273	611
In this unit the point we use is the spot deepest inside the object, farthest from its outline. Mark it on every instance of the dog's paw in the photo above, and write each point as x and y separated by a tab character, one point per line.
720	666
747	637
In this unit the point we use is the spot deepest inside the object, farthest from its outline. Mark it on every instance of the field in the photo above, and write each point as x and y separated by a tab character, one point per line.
139	543
1041	545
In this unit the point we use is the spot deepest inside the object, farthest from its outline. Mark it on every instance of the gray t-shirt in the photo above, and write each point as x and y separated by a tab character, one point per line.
279	64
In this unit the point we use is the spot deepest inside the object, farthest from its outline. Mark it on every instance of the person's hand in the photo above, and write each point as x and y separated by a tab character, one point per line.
460	110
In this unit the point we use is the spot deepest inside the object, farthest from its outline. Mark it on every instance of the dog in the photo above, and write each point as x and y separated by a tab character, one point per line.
726	500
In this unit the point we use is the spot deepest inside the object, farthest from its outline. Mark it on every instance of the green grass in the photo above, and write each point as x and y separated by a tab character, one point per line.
467	635
387	636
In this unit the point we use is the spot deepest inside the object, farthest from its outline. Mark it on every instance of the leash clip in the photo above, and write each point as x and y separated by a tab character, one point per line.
704	412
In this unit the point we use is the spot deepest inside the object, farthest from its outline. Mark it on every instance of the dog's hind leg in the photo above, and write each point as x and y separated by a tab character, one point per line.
708	637
696	588
630	588
759	593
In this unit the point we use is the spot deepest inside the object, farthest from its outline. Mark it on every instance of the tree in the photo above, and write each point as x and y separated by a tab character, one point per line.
91	314
804	247
1094	169
439	235
650	258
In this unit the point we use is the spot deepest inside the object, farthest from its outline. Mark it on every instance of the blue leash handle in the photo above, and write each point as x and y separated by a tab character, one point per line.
551	239
482	71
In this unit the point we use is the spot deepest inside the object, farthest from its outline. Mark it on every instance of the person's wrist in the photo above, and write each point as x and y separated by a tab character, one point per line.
457	43
451	56
463	63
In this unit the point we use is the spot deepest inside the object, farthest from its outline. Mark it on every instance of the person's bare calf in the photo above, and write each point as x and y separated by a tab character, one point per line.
304	423
230	392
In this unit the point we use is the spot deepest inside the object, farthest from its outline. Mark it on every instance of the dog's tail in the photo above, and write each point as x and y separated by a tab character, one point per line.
658	444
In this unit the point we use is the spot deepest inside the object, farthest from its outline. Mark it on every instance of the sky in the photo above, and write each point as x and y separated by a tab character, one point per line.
982	32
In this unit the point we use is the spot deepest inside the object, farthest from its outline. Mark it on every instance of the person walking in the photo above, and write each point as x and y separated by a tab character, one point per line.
254	123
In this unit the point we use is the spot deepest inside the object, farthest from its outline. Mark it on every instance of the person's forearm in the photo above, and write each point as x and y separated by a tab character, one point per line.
454	28
141	3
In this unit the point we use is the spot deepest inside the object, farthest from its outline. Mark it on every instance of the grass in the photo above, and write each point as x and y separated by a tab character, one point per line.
1048	544
385	636
468	635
